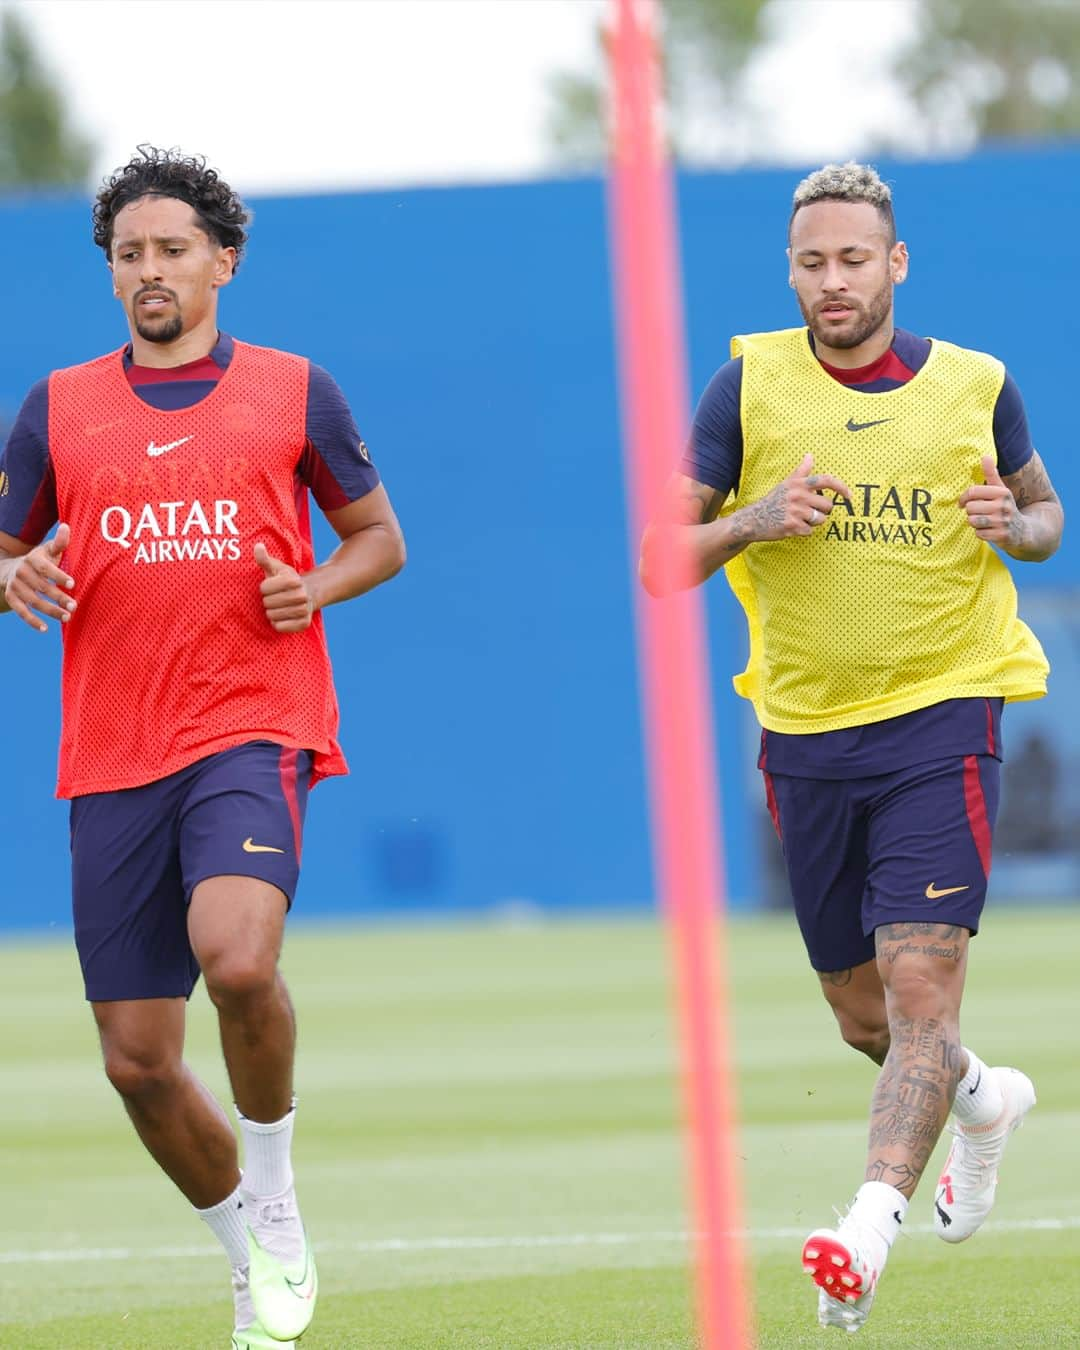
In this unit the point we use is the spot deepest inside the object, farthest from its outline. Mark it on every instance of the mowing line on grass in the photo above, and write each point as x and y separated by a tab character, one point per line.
432	1244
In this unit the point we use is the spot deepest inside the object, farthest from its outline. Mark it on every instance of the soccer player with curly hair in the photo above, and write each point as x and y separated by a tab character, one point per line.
198	704
854	480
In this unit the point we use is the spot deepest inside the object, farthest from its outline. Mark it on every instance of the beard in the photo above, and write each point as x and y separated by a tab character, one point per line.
157	330
867	319
166	331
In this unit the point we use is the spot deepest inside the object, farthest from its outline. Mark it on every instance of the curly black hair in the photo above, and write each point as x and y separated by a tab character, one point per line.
168	173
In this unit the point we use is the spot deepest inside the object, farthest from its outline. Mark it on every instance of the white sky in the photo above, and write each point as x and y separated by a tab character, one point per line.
286	95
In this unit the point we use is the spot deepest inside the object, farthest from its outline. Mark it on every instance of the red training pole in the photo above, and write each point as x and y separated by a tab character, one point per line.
683	790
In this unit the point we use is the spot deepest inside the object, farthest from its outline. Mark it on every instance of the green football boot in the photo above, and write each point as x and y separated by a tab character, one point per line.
248	1334
282	1277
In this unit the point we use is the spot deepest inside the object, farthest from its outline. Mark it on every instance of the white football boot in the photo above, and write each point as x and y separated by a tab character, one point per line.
839	1262
965	1189
848	1316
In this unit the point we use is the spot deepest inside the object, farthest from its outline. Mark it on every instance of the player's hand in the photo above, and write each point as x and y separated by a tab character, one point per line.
36	581
991	508
798	505
286	598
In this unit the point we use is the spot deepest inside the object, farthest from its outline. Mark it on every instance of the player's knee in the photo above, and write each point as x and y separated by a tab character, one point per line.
870	1039
138	1075
236	981
920	990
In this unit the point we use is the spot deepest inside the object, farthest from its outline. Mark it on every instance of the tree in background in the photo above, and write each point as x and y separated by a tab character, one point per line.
973	70
707	45
994	69
37	145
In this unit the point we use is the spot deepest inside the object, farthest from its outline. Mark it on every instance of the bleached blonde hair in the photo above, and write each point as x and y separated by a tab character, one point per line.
848	182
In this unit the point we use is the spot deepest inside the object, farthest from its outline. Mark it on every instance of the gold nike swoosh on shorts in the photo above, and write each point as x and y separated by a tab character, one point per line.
932	892
250	847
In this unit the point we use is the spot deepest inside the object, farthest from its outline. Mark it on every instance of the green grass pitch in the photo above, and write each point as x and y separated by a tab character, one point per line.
488	1155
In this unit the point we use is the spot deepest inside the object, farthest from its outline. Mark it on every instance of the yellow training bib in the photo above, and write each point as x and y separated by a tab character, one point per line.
894	604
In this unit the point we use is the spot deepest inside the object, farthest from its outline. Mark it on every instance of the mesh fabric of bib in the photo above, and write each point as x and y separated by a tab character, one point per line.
169	656
893	604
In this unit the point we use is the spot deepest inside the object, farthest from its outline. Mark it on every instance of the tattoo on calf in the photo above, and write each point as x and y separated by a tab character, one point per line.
912	1100
899	1175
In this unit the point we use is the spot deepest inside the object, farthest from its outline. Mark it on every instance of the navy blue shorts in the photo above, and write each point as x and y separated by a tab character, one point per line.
137	855
910	846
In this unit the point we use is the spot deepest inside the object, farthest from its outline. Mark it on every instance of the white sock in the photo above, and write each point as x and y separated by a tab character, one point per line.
879	1209
226	1222
978	1100
267	1153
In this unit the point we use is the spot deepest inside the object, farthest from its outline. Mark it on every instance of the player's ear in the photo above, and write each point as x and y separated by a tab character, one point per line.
224	267
898	262
790	271
112	277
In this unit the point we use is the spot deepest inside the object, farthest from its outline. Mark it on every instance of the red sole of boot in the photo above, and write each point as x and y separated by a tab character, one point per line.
828	1263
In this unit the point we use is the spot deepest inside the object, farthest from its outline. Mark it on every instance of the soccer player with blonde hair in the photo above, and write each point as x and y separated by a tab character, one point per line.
854	481
197	697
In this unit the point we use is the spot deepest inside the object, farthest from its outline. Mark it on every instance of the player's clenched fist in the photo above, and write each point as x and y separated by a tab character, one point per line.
286	598
795	506
991	508
36	581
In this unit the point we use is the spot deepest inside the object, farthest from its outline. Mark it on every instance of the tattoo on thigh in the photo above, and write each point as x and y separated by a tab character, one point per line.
897	932
890	951
941	941
837	978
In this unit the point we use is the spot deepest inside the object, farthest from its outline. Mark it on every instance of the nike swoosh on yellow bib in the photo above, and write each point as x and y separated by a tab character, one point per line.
932	892
249	847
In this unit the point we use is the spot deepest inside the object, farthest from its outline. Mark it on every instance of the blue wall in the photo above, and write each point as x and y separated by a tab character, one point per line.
489	693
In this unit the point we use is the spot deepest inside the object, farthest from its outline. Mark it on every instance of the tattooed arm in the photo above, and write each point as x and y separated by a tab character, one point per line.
690	510
688	519
1021	513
